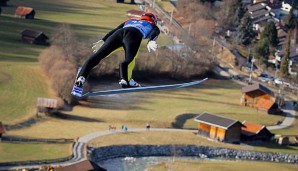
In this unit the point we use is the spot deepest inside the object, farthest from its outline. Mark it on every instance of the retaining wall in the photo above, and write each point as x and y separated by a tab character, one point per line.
109	152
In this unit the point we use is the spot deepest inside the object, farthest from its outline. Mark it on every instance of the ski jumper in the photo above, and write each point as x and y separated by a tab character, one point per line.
127	36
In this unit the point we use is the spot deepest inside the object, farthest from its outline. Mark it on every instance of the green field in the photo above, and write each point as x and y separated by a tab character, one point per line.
32	151
22	81
159	138
160	108
215	165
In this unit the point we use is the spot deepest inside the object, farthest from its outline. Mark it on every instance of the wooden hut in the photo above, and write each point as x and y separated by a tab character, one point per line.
260	97
25	12
2	129
34	37
219	128
255	132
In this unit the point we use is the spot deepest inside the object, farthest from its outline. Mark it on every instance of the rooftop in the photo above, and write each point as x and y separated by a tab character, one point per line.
251	128
216	120
254	87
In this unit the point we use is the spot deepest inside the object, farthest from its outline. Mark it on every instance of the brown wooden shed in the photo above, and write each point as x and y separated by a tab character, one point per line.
219	128
34	37
2	129
25	12
255	132
260	97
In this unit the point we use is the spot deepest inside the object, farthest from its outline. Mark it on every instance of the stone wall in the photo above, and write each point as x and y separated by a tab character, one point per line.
109	152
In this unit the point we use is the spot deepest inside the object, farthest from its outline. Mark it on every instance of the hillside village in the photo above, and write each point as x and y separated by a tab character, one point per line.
261	93
273	10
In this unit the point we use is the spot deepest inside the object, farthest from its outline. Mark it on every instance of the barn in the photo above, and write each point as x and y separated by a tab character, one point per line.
259	97
219	128
255	132
25	12
34	37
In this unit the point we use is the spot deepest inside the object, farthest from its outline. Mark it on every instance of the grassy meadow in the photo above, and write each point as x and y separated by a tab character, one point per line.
158	138
216	165
160	108
22	81
32	151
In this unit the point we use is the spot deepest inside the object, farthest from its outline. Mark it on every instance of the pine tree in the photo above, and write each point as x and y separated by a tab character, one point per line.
238	11
245	31
284	67
262	50
270	33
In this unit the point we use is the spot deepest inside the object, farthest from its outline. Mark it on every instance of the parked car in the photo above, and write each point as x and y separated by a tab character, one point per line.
277	81
265	77
280	82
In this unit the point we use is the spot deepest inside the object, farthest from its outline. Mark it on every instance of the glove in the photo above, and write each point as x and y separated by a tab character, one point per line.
97	45
152	45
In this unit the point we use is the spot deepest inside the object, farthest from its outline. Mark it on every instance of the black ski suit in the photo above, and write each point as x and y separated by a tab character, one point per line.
128	36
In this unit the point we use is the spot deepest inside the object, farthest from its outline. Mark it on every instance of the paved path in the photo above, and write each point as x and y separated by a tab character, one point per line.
288	109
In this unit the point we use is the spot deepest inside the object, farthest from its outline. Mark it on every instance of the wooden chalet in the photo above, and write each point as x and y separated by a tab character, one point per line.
3	2
2	129
34	37
259	97
25	12
85	165
219	128
255	132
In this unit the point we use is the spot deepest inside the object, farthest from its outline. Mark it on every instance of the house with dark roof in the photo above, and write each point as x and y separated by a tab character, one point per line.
255	132
25	12
259	97
255	7
219	128
34	37
260	13
2	129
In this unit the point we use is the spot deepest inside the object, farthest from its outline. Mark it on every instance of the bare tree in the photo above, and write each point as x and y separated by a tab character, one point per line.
61	60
